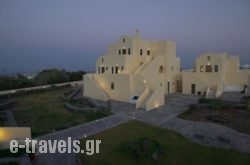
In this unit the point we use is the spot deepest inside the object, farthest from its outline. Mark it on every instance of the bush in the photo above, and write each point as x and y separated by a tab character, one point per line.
144	148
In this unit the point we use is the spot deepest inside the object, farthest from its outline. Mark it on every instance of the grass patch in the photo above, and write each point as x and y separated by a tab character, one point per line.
45	112
178	150
143	147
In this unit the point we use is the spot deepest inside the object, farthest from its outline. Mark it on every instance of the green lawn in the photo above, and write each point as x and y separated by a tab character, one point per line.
44	112
179	150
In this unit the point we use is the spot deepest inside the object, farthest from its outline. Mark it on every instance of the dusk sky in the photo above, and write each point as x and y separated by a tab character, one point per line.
71	34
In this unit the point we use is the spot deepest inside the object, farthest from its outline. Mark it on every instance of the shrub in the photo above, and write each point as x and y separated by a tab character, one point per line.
144	148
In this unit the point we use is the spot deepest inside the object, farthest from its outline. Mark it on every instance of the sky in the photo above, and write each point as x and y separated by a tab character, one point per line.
71	34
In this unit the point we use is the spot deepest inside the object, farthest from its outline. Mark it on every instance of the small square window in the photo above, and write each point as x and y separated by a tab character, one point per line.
123	51
208	58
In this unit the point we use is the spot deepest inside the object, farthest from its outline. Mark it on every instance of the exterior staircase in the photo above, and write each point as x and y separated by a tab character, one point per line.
210	93
101	92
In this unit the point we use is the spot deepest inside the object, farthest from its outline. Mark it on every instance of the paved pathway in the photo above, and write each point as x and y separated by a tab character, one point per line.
232	96
78	132
10	118
23	160
204	133
208	134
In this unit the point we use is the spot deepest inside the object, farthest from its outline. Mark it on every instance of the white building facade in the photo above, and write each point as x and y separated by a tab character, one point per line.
135	67
147	71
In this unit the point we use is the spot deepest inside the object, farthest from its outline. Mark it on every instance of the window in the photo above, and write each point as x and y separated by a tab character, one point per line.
116	69
98	69
123	40
112	69
201	68
193	89
107	68
209	68
141	52
103	69
148	52
128	51
208	58
172	68
123	51
112	85
161	69
102	60
216	68
122	68
119	52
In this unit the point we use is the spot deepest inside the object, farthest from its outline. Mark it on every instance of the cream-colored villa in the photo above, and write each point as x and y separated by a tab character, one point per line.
143	72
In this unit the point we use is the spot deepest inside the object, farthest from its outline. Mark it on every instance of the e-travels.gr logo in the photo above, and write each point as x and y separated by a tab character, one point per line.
53	146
